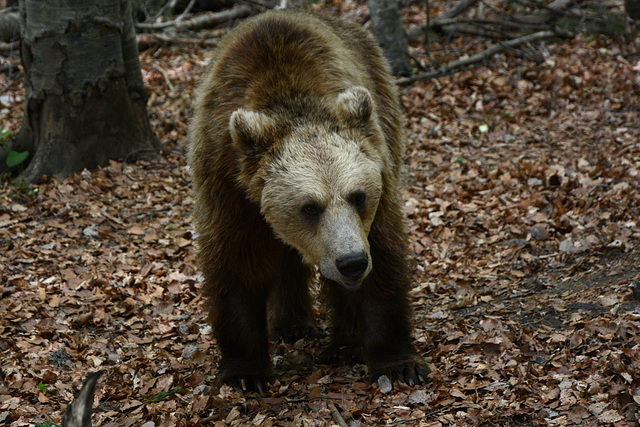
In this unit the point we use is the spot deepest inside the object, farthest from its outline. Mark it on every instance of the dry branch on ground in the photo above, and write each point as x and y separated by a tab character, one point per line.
200	21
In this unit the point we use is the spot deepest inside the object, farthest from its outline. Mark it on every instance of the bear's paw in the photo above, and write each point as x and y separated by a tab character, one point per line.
347	354
291	334
245	383
411	371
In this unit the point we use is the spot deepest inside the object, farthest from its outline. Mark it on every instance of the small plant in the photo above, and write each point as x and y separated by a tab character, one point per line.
14	158
4	134
163	395
24	187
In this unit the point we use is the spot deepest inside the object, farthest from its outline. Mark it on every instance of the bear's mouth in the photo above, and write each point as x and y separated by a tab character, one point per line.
351	285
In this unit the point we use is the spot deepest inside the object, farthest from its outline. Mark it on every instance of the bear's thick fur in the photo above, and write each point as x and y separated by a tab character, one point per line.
295	149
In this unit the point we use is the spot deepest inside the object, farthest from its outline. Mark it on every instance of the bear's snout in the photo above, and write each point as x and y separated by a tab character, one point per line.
353	266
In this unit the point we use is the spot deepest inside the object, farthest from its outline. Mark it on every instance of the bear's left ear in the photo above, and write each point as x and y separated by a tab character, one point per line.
354	107
252	132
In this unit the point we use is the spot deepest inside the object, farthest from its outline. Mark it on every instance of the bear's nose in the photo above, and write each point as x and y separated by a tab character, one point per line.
352	265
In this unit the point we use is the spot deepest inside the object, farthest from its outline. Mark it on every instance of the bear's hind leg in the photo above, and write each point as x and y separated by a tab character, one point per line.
290	310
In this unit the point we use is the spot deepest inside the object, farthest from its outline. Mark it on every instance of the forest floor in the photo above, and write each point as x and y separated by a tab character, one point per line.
523	205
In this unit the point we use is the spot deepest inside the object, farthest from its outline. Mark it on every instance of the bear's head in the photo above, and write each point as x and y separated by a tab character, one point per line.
317	179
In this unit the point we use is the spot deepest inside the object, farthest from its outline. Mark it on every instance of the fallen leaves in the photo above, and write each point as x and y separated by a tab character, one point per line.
523	199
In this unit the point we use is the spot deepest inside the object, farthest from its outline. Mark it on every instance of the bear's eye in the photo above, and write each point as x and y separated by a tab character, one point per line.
358	199
311	211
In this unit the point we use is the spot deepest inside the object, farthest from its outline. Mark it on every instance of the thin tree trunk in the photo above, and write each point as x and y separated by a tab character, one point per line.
85	99
386	22
633	8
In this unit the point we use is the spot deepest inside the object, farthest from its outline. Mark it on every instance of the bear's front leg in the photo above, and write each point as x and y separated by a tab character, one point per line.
385	333
345	345
240	328
381	305
289	306
375	327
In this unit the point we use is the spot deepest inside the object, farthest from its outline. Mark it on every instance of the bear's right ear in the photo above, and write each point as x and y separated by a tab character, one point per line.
354	107
252	132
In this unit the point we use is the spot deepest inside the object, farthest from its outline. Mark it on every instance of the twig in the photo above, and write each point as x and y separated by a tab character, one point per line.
415	32
430	414
479	57
10	47
311	399
9	9
9	68
546	13
554	7
149	212
260	5
427	28
111	218
488	22
336	415
456	10
185	11
146	41
167	5
11	83
166	77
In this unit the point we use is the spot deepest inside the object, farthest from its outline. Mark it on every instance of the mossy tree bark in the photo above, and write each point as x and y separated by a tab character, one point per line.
85	99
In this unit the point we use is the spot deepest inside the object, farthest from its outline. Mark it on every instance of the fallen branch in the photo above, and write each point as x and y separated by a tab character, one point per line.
15	78
204	20
168	5
147	41
429	415
10	47
479	57
456	10
416	32
546	13
537	20
9	68
186	11
9	25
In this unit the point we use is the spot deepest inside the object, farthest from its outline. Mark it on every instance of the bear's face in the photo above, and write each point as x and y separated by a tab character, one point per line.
318	187
321	196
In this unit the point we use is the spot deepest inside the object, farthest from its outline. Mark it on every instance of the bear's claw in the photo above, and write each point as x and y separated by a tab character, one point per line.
291	335
410	372
349	354
246	383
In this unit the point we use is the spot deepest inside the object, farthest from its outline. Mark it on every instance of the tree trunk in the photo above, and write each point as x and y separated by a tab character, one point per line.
386	21
633	8
85	99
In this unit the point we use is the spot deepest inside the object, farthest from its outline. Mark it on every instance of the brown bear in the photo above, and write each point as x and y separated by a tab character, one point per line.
295	152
